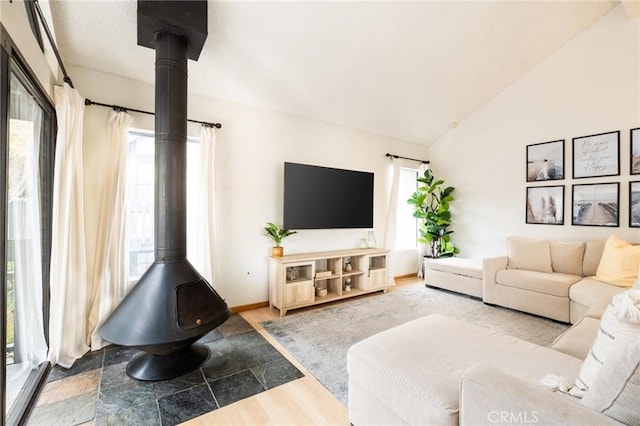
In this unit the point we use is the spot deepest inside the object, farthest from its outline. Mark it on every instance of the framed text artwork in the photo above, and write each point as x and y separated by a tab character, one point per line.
545	205
634	137
596	204
634	204
545	161
596	155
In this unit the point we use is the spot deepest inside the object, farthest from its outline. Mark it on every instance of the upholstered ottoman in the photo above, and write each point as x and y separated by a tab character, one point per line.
456	274
411	374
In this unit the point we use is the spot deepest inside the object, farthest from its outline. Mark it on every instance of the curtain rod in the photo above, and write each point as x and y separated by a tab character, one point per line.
66	79
121	108
406	158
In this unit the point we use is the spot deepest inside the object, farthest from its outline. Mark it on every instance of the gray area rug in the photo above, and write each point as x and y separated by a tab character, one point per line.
319	338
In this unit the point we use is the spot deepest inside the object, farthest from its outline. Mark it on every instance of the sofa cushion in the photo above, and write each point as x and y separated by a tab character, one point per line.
616	388
592	255
529	254
567	257
589	292
555	284
619	263
577	340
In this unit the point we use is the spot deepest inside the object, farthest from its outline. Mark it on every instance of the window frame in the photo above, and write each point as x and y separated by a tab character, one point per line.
402	200
12	61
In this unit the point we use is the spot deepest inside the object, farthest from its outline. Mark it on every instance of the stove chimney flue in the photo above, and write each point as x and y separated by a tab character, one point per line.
171	147
172	305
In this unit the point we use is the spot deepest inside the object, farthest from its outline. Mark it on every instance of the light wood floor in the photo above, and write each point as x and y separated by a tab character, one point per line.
303	401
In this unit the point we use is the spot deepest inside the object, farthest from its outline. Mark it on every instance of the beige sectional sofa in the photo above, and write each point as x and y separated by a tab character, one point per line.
552	279
437	370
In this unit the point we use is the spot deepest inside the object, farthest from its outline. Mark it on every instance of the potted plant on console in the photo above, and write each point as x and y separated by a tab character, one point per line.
431	206
277	234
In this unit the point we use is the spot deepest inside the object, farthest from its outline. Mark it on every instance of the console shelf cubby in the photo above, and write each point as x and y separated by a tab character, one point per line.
306	279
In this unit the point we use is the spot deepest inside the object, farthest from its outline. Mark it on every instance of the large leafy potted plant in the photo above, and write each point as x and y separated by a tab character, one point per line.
431	206
277	234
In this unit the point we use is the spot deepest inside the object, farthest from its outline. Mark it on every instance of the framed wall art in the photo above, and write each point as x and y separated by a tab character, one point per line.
596	204
545	205
596	155
634	204
634	137
545	161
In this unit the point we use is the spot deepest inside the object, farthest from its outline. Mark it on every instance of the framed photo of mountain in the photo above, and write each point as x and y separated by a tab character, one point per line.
545	161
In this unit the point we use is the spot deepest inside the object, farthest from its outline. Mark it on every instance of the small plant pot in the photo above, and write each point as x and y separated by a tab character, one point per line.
277	251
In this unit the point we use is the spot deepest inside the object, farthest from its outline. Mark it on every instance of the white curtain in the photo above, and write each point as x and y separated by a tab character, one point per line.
24	228
204	259
110	279
69	307
390	236
421	170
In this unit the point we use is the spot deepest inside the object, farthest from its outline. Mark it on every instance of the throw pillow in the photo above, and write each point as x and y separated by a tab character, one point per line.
566	257
619	263
616	387
620	324
529	254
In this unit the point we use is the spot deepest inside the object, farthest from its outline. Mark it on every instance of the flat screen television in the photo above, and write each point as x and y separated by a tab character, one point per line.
326	198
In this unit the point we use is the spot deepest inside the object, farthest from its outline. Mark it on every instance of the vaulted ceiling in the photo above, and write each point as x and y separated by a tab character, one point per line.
409	70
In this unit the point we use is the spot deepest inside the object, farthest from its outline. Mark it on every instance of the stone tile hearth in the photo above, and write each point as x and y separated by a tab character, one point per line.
98	391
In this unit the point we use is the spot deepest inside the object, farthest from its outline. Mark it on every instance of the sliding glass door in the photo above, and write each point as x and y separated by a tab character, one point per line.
27	154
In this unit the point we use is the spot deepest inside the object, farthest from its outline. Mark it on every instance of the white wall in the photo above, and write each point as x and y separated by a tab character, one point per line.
589	86
251	149
14	18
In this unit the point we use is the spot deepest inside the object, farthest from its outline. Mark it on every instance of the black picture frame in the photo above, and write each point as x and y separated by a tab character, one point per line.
596	155
634	204
596	204
634	151
545	205
545	161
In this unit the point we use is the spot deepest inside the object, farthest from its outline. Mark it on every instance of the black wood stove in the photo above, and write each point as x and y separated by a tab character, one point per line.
172	305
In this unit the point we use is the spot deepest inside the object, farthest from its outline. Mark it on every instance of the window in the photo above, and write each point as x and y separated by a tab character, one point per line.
140	199
407	225
27	140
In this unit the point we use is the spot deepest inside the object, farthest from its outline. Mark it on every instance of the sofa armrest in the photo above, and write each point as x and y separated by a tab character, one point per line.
489	396
490	267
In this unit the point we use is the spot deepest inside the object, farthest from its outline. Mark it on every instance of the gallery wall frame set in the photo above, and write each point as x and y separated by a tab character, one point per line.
596	155
592	204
